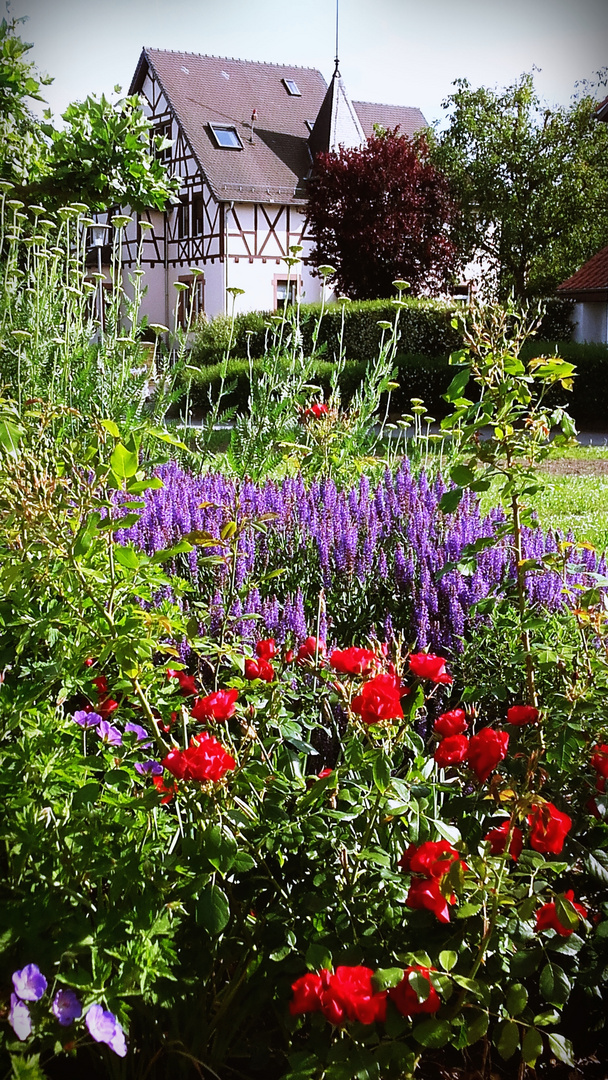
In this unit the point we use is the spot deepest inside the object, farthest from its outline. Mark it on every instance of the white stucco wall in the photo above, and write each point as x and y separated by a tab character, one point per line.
591	322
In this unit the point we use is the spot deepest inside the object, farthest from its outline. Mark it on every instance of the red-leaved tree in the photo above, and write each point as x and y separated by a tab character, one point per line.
382	212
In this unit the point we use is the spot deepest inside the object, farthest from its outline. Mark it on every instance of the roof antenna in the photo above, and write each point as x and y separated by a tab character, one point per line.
337	68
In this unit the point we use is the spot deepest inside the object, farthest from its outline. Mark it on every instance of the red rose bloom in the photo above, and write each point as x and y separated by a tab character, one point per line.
310	648
548	828
522	714
427	666
380	699
599	760
497	839
317	410
186	682
168	791
450	723
347	994
451	751
220	705
486	749
352	661
205	759
259	669
405	997
433	858
546	916
425	893
267	649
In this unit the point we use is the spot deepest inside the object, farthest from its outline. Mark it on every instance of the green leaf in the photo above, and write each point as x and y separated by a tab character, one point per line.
212	909
525	962
457	385
508	1040
385	978
170	553
127	557
448	959
462	475
477	1028
419	984
318	956
110	427
517	999
566	912
86	795
597	865
450	500
554	984
561	1047
10	436
167	437
532	1046
432	1033
123	462
381	772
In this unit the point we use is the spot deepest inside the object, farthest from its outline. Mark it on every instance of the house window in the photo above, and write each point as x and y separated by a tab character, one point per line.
226	136
198	211
292	87
182	217
191	301
162	132
285	293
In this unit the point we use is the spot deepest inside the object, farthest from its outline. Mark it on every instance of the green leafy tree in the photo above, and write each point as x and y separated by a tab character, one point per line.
101	156
532	182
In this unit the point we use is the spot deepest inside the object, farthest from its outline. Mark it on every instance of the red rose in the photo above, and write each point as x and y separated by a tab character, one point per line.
317	410
267	649
497	839
380	699
205	759
168	791
405	997
486	749
311	648
187	683
450	723
425	893
427	666
106	705
546	916
522	714
599	761
548	828
352	661
220	705
259	669
451	751
433	858
306	994
347	994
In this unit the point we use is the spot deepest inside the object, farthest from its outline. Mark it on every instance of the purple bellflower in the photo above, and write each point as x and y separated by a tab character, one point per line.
19	1018
29	983
109	734
104	1027
66	1007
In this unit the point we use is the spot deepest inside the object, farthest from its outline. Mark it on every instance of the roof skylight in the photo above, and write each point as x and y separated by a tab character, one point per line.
226	136
292	87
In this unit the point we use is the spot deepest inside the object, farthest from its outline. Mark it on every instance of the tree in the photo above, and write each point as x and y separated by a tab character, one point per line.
532	183
381	212
101	156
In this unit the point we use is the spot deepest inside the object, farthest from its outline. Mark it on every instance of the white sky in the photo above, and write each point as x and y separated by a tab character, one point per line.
402	52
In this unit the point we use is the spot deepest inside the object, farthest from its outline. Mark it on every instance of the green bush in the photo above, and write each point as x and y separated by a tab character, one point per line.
425	328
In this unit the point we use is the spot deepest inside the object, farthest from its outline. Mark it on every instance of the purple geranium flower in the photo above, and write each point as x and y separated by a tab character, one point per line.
109	734
104	1027
29	983
19	1018
66	1007
86	719
149	768
142	734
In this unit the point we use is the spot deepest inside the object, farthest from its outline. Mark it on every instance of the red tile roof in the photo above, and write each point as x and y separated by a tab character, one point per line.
203	90
601	113
593	275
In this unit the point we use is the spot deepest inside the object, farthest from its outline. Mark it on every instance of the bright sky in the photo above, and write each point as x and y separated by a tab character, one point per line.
402	52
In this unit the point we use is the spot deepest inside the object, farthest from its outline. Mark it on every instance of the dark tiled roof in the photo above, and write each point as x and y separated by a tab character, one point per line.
211	89
214	89
601	113
591	276
407	119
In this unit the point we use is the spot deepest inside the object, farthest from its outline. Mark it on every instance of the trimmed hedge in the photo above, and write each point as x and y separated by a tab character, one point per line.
428	378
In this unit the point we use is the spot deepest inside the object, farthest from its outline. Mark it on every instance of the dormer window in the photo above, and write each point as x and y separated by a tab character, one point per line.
226	136
292	87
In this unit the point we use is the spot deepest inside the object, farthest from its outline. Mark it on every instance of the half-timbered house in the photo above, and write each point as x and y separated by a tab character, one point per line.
242	136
